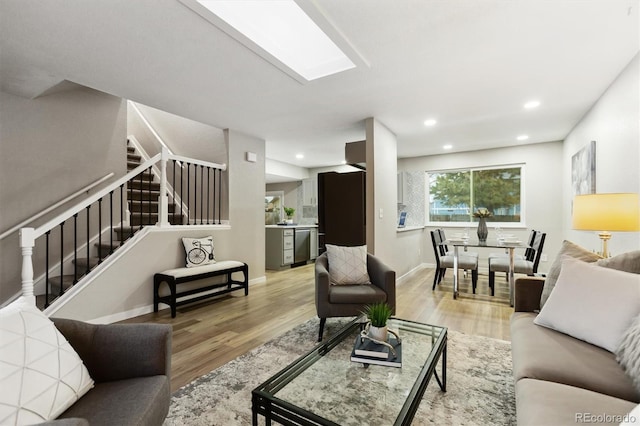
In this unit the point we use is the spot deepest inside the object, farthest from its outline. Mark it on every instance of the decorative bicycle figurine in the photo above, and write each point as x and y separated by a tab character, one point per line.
197	255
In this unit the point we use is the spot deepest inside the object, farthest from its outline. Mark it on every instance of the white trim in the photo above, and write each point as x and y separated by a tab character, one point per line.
121	316
97	271
89	201
521	224
55	206
400	280
197	162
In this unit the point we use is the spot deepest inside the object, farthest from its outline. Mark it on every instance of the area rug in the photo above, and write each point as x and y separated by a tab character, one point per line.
480	389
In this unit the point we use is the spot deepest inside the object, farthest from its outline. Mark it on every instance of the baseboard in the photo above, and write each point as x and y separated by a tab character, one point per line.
121	316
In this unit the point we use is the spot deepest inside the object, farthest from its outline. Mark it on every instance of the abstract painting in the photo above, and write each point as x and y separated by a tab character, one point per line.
583	170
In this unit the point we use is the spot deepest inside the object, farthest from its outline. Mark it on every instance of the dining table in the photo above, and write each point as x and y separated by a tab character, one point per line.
464	243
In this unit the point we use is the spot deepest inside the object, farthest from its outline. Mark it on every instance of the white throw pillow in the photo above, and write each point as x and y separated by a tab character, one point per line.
199	251
347	265
592	303
632	417
41	375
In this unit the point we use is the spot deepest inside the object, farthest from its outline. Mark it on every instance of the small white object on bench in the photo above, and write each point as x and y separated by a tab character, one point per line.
176	276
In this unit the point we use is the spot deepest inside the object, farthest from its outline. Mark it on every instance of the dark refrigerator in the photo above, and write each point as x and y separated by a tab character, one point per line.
341	209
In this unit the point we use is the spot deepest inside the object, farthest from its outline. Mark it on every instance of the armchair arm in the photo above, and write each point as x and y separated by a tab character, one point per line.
527	294
322	284
120	351
383	277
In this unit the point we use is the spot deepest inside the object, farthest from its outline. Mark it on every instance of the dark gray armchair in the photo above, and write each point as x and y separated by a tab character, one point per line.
131	367
350	300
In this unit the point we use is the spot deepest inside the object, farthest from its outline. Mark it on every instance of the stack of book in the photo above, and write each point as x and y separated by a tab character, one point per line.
369	352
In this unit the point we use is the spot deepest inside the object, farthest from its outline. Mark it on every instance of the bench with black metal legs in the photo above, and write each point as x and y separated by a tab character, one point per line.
176	276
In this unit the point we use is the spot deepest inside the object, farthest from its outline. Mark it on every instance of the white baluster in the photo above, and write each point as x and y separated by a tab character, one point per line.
163	199
27	242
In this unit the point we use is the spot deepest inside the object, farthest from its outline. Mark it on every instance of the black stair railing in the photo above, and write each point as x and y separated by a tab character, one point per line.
128	205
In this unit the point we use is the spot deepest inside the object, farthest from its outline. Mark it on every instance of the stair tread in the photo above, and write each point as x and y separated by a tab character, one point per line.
67	281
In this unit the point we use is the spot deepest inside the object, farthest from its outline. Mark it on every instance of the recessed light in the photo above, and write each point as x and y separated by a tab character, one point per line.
447	146
532	104
430	122
299	156
523	137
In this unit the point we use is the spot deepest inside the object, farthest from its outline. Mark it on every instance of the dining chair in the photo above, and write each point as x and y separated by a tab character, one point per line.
528	253
520	266
444	261
446	247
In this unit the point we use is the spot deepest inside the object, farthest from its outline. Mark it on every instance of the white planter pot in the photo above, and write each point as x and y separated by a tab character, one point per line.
379	333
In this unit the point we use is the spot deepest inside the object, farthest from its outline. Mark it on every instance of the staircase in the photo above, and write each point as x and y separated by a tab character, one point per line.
142	200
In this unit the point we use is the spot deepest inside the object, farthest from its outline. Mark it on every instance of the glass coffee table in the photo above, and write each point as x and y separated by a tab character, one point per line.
324	387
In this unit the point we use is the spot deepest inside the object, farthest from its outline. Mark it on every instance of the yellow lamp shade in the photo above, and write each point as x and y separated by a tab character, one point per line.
606	212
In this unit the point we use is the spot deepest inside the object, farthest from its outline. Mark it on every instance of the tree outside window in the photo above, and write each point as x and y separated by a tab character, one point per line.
455	195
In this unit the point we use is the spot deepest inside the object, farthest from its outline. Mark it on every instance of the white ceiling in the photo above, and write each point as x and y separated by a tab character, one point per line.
471	64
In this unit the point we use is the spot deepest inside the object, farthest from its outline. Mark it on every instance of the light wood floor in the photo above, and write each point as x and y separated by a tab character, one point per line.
211	333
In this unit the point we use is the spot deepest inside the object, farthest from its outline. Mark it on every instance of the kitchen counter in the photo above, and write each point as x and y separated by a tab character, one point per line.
290	226
290	245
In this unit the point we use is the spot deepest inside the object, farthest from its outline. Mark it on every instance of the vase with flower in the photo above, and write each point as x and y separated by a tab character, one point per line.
482	214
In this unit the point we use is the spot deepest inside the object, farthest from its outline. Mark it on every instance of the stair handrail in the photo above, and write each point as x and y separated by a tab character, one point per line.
41	230
55	206
29	235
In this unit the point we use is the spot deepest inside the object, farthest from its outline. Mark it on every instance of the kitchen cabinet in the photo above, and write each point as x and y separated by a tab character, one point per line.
290	245
309	192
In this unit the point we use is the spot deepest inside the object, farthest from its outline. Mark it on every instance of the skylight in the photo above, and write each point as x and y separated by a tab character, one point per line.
284	30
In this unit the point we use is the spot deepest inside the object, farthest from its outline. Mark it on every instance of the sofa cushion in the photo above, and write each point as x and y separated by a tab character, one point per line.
592	303
627	262
347	265
358	294
628	352
544	354
138	401
568	249
540	402
41	375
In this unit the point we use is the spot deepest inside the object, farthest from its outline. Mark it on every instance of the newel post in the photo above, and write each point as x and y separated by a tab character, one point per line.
163	198
27	242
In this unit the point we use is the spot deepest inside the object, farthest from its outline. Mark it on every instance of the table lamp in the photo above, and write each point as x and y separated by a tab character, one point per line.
606	213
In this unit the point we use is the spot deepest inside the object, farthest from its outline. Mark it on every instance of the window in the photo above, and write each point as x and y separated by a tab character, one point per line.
455	195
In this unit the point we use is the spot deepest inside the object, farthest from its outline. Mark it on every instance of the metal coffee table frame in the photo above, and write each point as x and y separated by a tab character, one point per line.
266	403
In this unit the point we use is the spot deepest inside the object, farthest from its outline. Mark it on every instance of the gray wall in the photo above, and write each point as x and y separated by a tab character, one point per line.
51	147
543	172
125	289
613	122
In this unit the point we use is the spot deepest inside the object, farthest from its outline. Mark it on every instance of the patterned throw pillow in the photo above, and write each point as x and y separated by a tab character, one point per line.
628	352
41	375
347	265
199	251
568	249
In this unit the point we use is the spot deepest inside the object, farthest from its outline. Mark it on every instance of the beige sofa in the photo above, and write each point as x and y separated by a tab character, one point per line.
561	380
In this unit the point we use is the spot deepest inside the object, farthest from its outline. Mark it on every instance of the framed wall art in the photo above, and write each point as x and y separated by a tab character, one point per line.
583	170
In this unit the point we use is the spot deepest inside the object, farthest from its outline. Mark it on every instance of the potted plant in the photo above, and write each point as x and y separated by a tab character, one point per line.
289	211
378	314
